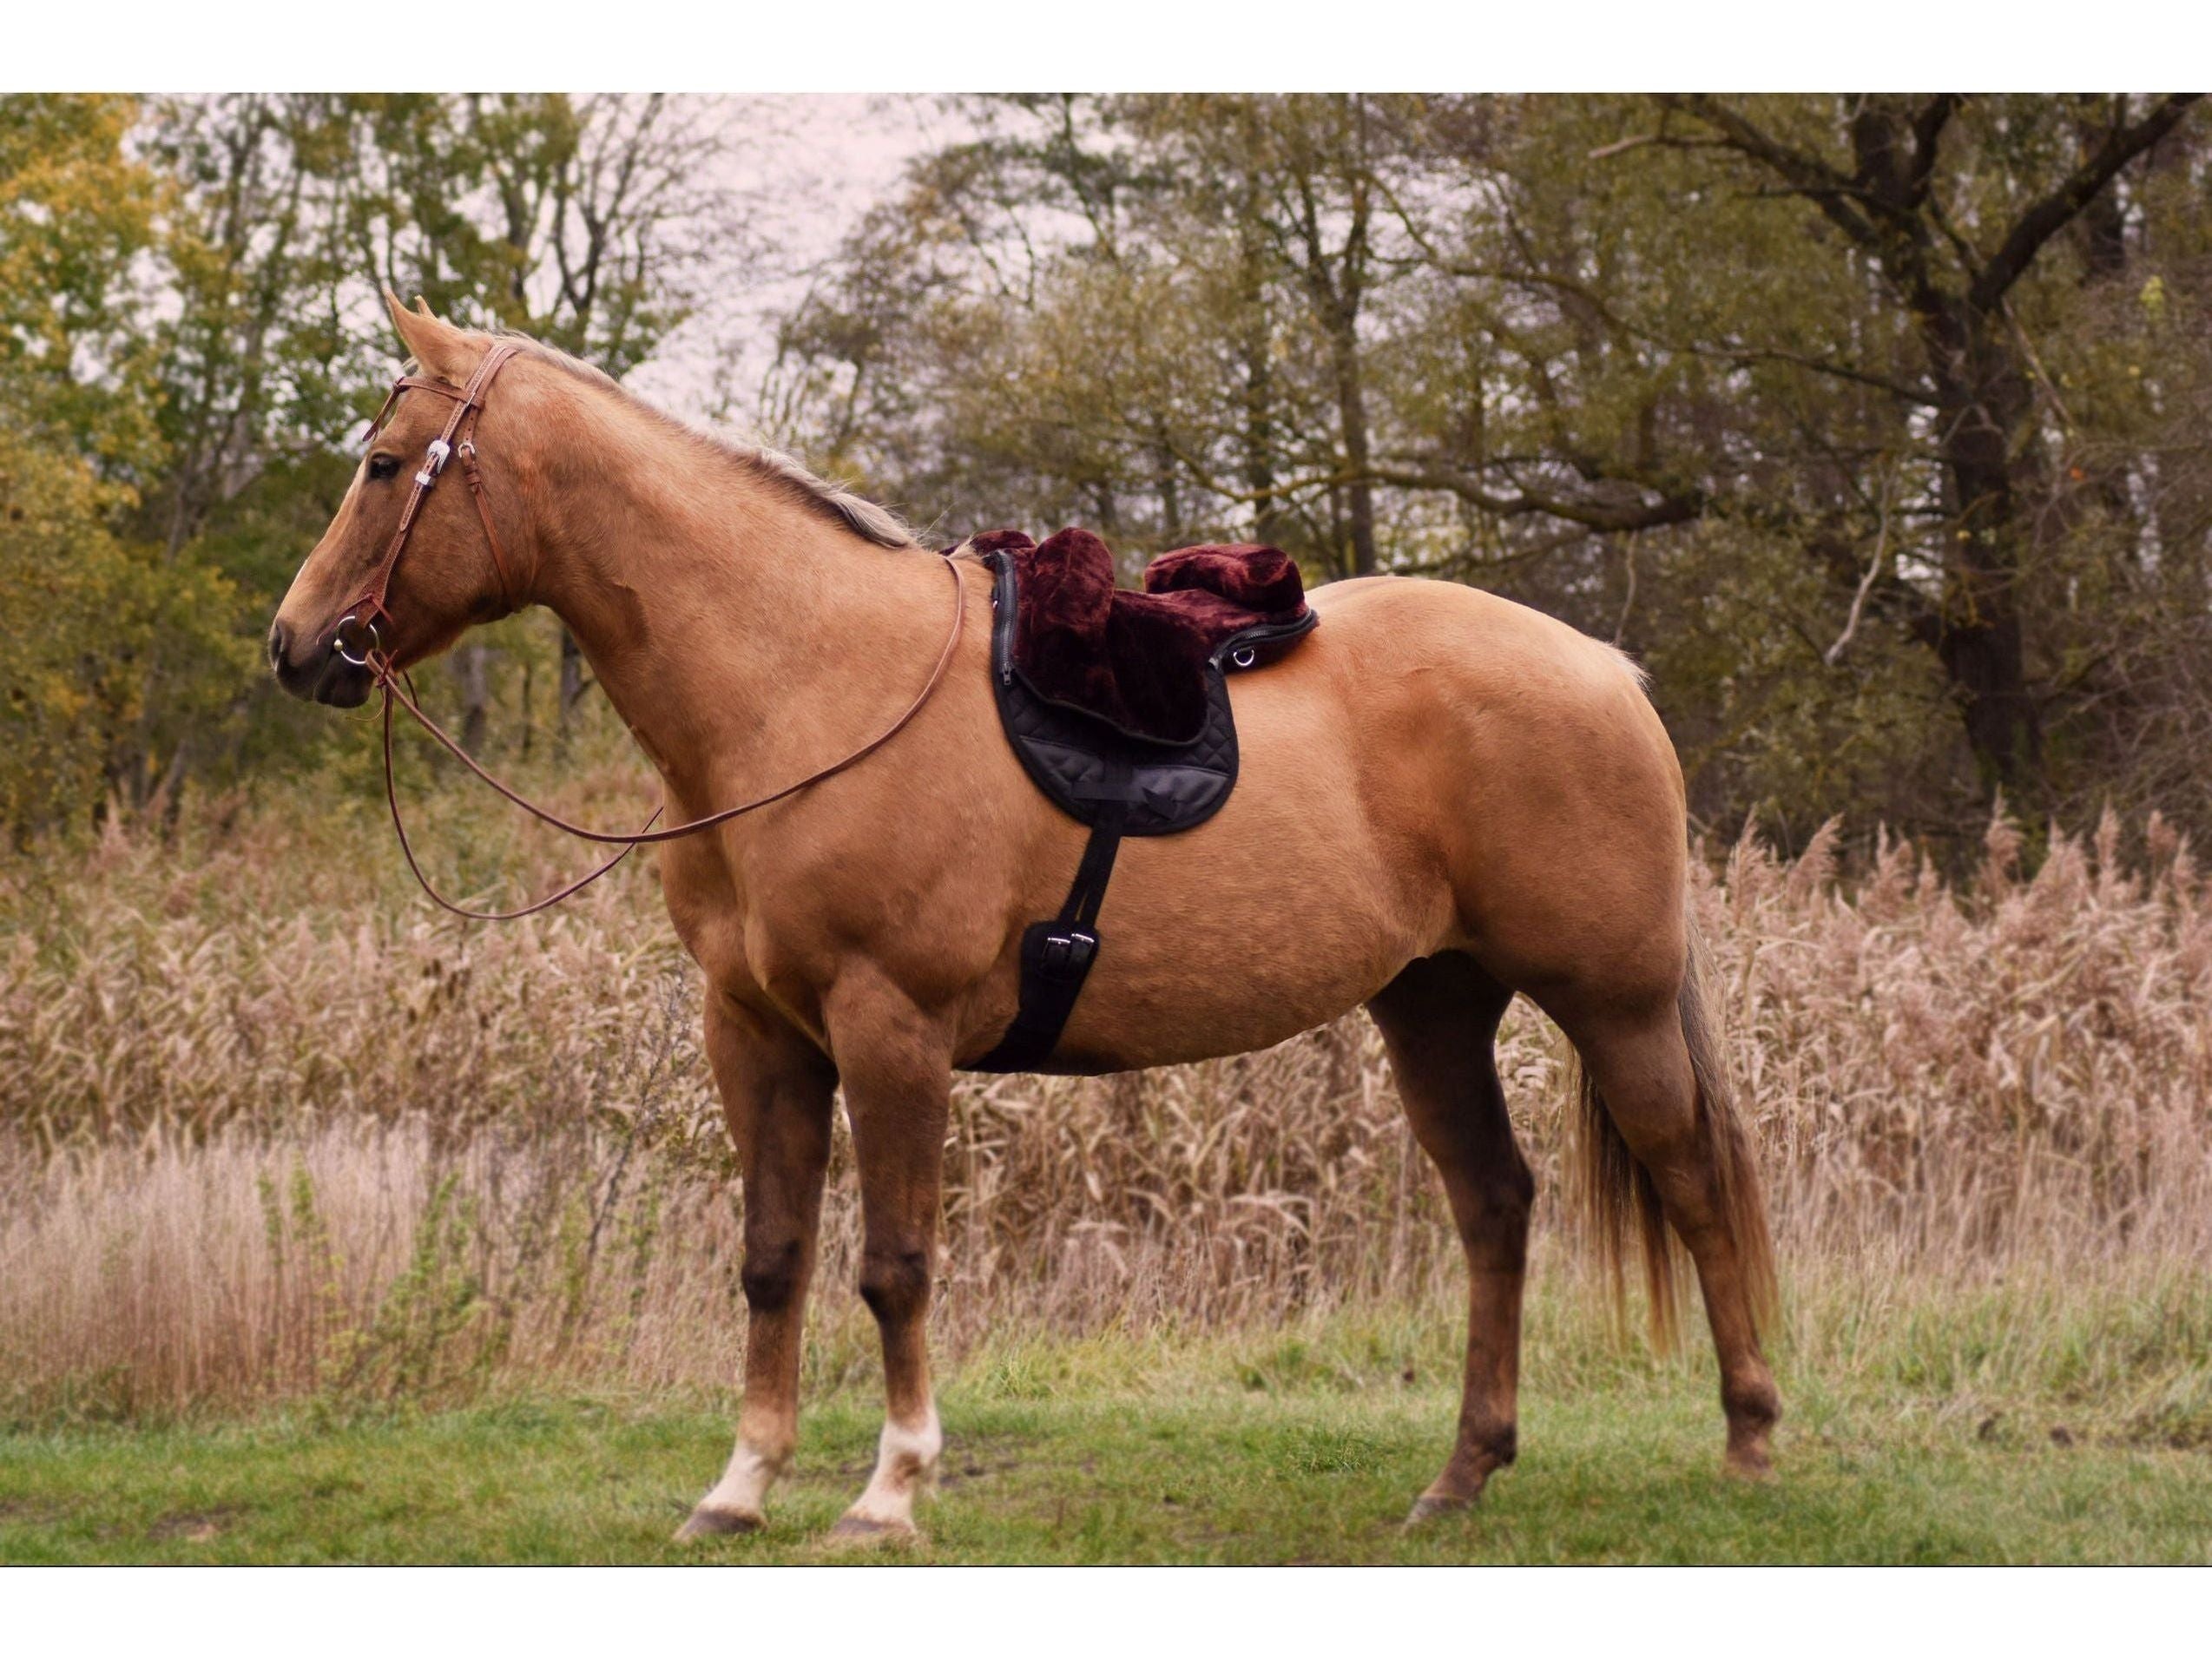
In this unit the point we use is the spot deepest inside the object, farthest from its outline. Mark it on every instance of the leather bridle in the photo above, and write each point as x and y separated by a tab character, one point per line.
461	425
457	438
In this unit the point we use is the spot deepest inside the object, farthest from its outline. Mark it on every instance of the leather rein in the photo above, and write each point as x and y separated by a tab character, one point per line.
364	648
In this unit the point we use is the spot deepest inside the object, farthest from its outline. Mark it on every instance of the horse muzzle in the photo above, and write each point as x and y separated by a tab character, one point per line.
319	673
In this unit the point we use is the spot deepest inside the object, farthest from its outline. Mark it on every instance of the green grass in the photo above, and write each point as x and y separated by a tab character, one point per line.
1259	1450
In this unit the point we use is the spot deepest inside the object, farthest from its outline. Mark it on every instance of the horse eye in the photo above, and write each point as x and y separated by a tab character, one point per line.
384	466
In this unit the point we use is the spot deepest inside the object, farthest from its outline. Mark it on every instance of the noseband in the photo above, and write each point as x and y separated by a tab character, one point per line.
458	438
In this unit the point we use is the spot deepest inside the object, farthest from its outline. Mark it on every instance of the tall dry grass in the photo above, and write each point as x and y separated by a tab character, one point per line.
260	1139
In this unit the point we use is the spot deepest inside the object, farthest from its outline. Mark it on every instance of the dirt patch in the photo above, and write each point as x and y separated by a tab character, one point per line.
195	1526
968	1469
969	1458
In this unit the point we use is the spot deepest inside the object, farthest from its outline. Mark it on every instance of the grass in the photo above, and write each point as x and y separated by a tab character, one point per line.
1198	1465
2010	1423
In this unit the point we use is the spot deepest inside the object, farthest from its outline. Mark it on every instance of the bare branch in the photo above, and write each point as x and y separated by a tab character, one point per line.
1748	354
1623	146
1927	130
1833	654
1605	516
1831	191
2056	210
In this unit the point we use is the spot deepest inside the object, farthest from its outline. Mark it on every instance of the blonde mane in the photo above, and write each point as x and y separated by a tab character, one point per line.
784	473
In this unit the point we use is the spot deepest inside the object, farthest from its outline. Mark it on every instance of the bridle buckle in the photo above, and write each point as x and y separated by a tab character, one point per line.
438	451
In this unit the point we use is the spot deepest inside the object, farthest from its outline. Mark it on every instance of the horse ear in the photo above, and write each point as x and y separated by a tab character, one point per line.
442	349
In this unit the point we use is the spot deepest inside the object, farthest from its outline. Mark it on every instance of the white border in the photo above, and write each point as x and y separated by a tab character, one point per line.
1069	1613
1133	45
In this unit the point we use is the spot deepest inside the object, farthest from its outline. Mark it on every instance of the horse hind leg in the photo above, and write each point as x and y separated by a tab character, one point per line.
1662	1141
1439	1020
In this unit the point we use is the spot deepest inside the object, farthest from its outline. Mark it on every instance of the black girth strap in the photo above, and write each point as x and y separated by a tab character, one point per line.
1116	782
1056	956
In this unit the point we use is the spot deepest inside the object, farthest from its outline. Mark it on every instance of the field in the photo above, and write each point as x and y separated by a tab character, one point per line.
331	1232
1305	1447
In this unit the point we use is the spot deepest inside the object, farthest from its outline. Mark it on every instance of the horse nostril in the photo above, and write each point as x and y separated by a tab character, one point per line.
278	643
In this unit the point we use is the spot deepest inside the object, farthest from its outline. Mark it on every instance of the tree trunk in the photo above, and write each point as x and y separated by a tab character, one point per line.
472	674
572	686
1351	415
1256	349
1259	441
1164	473
1984	415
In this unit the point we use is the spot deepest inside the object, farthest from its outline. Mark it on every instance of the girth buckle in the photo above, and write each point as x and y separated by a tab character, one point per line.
1067	956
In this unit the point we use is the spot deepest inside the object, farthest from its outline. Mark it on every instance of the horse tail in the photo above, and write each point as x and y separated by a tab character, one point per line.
1620	1197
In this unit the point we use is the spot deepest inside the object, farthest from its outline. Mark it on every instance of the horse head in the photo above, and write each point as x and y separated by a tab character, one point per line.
406	567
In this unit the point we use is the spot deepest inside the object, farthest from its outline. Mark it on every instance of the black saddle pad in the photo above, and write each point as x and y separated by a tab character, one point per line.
1086	765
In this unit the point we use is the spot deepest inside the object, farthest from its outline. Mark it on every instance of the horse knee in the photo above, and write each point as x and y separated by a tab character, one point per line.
1494	1212
1509	1191
1752	1401
894	1282
771	1276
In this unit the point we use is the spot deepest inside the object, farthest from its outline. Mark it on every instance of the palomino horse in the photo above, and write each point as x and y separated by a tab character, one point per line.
1445	797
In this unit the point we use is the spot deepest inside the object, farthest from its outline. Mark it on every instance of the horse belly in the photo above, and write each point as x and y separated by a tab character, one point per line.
1294	904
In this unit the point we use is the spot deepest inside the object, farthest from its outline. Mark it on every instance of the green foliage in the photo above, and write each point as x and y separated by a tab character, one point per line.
120	654
190	333
75	213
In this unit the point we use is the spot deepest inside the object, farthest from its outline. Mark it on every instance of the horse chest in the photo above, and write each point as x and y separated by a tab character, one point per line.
756	941
707	909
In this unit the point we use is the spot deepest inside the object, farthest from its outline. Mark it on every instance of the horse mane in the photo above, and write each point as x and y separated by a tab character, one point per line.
782	472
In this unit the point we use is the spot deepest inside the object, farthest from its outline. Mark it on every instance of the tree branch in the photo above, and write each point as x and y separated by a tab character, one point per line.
1927	128
1604	516
2051	214
1920	396
1833	654
1828	190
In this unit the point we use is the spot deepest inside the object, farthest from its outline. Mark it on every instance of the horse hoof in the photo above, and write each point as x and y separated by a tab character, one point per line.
1430	1506
858	1532
706	1523
1748	1466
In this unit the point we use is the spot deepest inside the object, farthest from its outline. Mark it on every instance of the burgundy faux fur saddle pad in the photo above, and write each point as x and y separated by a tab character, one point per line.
1138	660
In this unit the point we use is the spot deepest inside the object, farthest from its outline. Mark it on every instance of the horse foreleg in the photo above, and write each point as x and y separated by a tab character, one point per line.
898	1088
776	1091
1439	1020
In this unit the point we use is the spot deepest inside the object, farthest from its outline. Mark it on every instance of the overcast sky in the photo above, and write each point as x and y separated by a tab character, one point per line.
816	161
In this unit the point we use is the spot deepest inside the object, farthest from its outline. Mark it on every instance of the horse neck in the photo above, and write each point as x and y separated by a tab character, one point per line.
741	635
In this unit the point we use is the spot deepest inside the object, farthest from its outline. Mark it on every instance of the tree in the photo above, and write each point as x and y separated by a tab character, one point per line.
1153	309
75	213
587	223
108	655
1951	267
1818	404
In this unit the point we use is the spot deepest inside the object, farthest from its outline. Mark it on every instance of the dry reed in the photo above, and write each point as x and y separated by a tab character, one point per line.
352	1152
